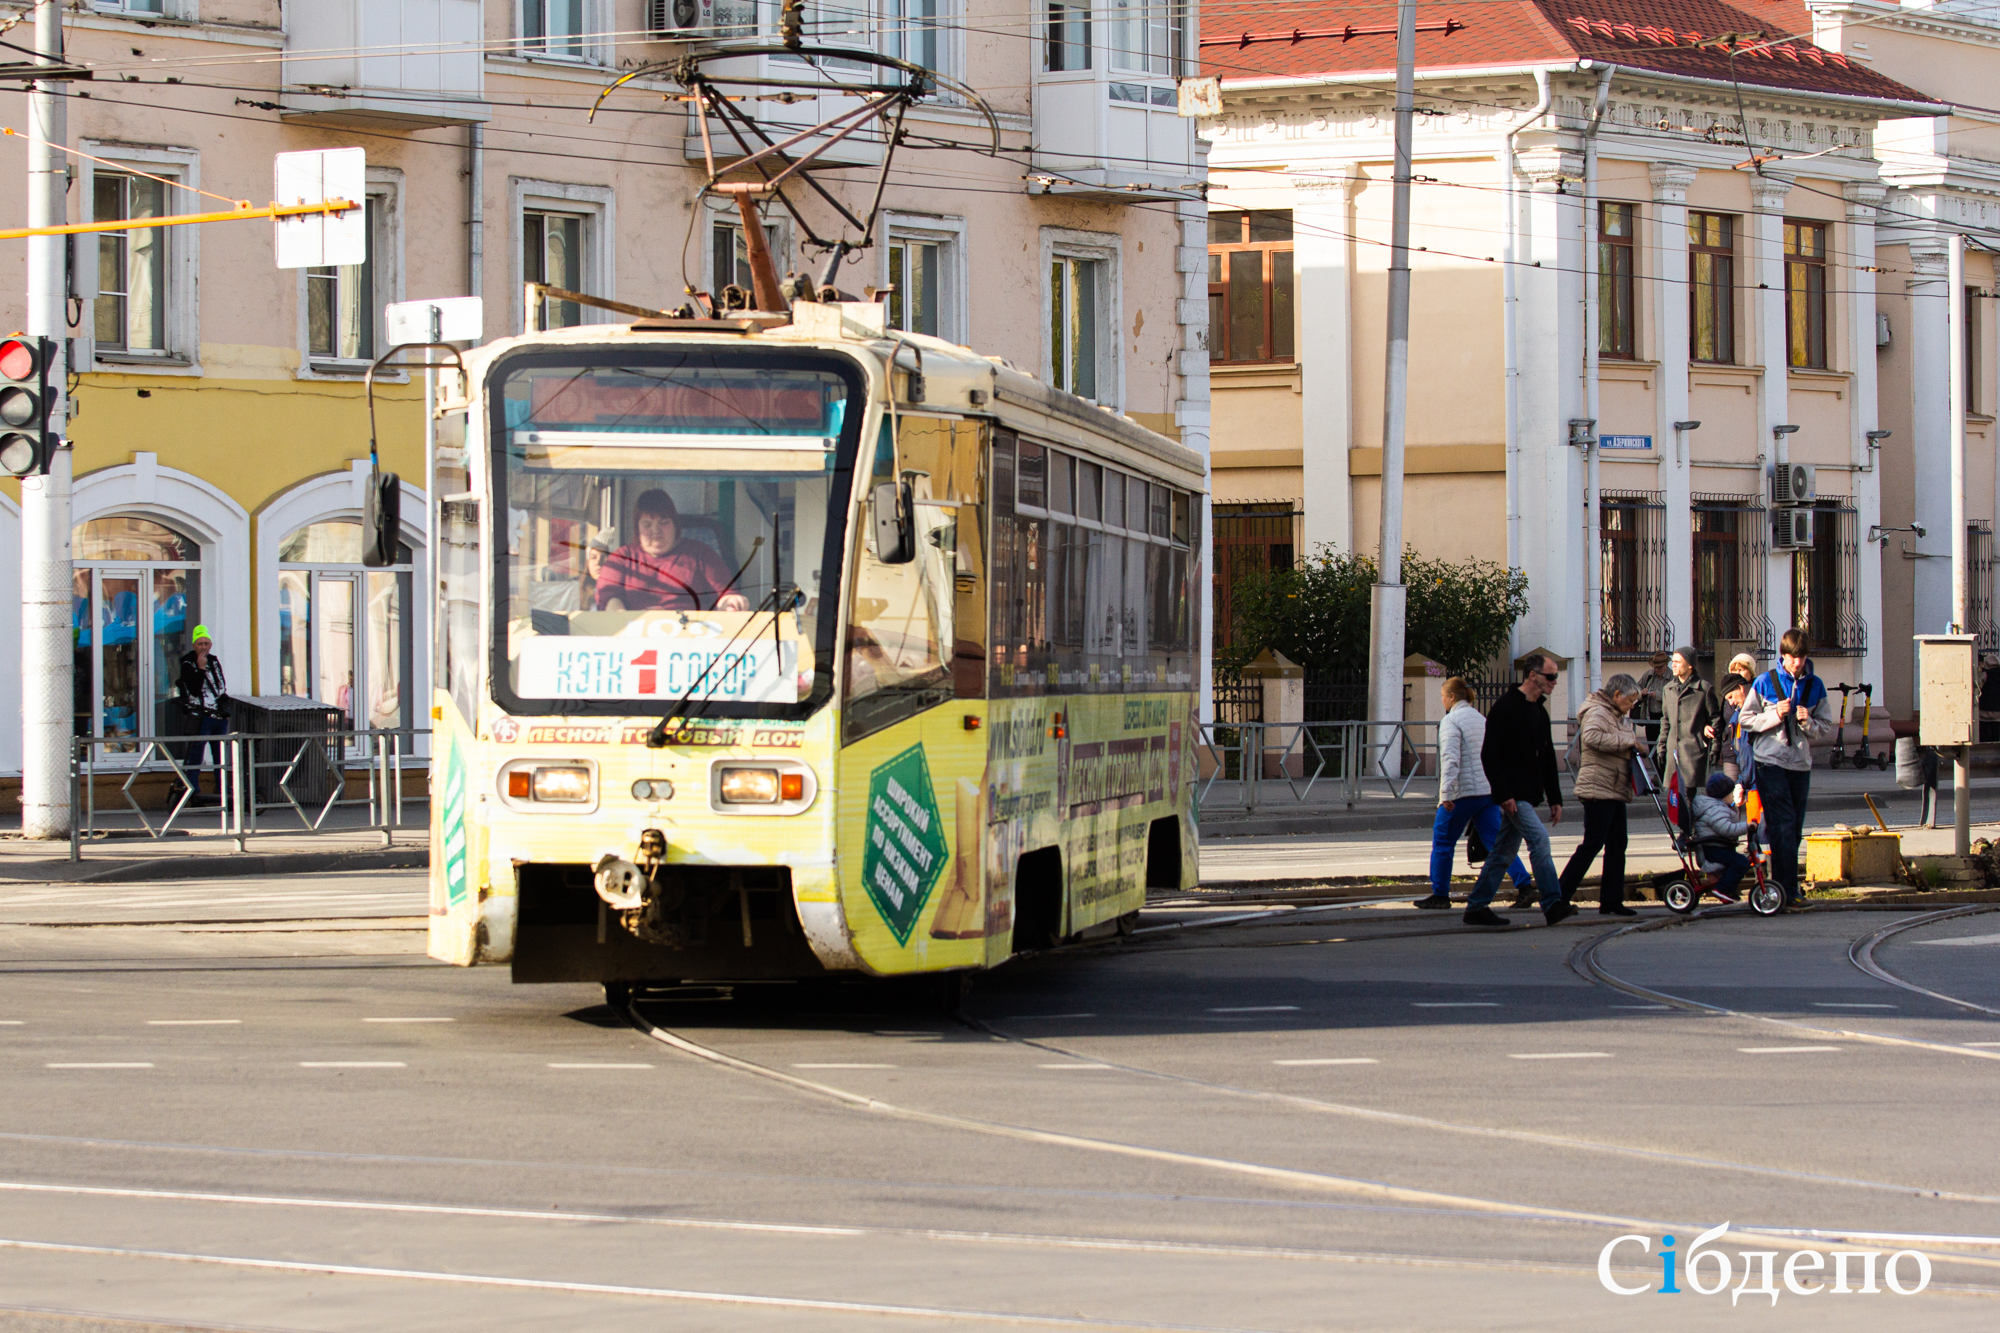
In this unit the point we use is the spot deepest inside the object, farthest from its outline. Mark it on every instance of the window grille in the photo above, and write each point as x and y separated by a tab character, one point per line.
1980	567
1249	539
1632	550
1730	546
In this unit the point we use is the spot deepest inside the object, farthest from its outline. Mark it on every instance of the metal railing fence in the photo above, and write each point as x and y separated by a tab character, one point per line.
305	774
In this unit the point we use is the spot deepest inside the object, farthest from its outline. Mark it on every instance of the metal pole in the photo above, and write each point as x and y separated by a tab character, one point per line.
47	660
1387	606
1961	588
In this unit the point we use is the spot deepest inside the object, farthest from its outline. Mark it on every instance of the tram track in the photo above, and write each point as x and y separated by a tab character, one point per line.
1325	1182
1862	954
1583	961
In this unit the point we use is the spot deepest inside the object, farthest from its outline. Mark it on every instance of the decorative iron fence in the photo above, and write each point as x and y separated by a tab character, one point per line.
1730	545
1632	556
1237	700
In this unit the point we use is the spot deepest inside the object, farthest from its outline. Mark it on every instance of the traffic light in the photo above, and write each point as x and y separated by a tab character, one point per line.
792	23
25	441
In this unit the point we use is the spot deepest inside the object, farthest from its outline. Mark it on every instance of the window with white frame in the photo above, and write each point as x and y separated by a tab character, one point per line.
552	252
912	31
159	7
729	255
554	28
343	303
1083	343
923	274
131	308
1066	36
1147	35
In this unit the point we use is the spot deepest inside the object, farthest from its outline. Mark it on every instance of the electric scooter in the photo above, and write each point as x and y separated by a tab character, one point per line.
1861	758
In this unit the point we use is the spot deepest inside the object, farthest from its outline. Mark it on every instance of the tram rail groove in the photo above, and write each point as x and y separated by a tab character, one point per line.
1582	960
1311	1180
1862	954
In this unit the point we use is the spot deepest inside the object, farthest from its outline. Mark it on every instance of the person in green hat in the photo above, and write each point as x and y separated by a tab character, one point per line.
204	695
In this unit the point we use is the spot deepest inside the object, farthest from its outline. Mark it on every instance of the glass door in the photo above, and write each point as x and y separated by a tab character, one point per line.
333	649
119	671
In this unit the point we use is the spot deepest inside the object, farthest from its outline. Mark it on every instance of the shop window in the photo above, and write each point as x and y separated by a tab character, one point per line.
135	602
344	630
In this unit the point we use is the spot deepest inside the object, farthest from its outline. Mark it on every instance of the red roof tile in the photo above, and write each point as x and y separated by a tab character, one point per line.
1657	35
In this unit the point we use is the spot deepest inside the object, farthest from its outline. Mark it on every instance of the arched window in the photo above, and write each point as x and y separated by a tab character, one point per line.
136	601
344	630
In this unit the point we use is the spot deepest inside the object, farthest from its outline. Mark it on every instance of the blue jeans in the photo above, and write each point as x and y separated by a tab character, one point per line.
1449	827
1784	794
1731	866
195	753
1525	824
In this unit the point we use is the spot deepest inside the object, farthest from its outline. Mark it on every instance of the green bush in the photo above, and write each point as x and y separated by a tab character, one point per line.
1459	613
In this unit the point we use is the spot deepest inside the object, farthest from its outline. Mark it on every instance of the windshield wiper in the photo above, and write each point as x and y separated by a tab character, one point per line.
656	739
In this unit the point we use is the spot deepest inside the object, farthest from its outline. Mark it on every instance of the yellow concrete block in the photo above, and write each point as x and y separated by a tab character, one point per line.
1853	856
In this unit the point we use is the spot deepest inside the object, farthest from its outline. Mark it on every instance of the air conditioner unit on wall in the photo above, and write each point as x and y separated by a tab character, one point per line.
1792	529
1794	483
698	20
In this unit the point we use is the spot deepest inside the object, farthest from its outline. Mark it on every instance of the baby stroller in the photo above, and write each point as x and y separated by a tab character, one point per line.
1682	891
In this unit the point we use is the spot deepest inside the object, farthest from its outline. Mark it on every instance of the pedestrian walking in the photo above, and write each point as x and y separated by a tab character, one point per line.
1465	798
204	695
1519	758
1607	742
1687	712
1788	708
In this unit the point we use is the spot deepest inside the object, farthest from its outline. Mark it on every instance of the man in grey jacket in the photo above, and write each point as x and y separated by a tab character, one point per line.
1687	714
1788	709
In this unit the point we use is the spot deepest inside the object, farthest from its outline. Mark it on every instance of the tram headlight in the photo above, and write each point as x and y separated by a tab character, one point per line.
750	786
567	784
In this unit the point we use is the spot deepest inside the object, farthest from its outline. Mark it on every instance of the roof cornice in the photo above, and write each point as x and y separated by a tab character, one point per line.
1893	17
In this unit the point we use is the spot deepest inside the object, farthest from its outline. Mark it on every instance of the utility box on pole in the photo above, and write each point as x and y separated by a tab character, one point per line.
1947	689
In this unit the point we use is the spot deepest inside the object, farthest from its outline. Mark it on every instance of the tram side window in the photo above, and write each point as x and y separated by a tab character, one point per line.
1006	573
904	633
458	601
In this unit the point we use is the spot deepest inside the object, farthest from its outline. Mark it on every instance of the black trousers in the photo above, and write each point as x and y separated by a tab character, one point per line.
1603	831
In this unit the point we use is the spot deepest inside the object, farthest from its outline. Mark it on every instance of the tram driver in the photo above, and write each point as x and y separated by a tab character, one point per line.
662	570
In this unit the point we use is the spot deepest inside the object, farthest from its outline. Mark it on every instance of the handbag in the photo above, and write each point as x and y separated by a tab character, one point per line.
1475	846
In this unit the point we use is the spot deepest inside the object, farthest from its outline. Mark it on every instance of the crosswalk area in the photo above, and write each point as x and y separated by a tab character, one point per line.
362	894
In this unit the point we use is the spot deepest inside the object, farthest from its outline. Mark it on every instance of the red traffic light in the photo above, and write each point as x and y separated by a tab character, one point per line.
20	359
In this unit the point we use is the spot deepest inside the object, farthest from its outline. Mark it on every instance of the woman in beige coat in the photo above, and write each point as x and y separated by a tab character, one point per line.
1604	786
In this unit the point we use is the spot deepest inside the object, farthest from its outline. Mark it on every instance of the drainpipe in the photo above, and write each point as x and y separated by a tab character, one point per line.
1593	566
475	210
1509	302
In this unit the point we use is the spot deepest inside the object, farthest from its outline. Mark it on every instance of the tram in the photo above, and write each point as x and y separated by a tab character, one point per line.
790	644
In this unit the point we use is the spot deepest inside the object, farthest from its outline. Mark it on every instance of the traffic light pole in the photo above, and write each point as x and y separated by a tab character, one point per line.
47	655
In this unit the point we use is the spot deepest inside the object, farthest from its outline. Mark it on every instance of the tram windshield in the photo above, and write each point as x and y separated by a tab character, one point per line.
673	528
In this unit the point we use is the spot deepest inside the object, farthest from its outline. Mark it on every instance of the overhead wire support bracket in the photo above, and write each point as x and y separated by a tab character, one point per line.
1346	34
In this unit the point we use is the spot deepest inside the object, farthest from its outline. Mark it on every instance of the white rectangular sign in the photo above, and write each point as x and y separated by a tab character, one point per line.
753	670
321	239
457	319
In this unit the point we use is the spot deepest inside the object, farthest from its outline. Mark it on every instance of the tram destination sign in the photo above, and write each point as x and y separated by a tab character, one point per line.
905	851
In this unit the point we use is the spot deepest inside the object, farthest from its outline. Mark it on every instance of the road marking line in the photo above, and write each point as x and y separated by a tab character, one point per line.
352	1064
1334	1060
100	1064
1830	1004
1073	1064
1642	1006
409	1020
1964	939
1017	1018
1562	1055
842	1066
11	1022
192	1022
580	1065
1256	1009
1782	1050
1980	1043
1454	1004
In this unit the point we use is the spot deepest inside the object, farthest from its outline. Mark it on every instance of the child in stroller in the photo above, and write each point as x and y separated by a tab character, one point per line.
1716	831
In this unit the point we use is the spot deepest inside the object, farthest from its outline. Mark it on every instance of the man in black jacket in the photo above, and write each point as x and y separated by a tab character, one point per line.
204	699
1520	761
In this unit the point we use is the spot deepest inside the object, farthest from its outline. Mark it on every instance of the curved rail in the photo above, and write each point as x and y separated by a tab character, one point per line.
1861	953
1582	960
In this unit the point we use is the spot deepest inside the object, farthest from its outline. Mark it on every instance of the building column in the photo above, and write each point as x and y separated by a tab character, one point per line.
1668	245
1863	199
1764	248
1930	432
1549	326
1322	223
1191	416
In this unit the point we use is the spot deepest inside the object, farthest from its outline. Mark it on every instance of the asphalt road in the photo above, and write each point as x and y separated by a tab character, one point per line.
1353	1118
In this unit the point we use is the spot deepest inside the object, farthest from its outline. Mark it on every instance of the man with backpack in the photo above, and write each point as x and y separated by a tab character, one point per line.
1786	710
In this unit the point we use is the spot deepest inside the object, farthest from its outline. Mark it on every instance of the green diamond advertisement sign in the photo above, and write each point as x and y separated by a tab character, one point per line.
905	849
454	824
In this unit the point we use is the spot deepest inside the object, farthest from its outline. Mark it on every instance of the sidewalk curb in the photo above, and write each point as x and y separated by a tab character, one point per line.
214	867
1419	817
